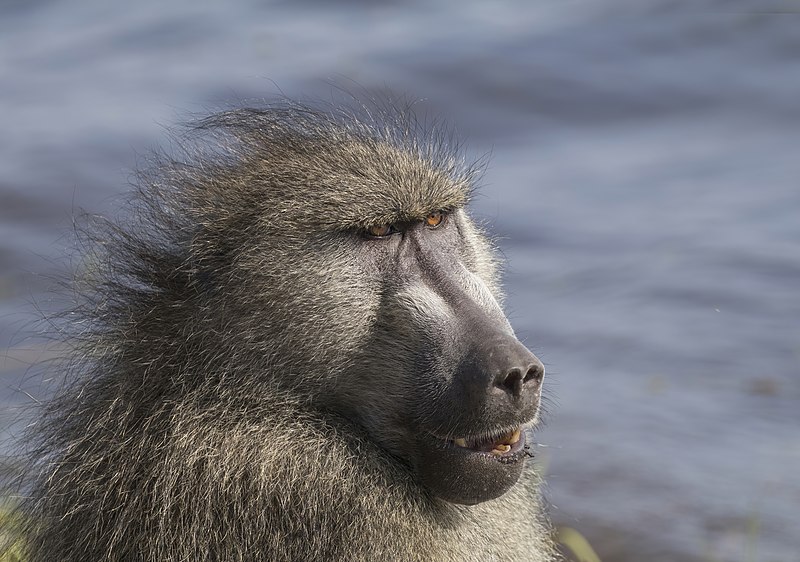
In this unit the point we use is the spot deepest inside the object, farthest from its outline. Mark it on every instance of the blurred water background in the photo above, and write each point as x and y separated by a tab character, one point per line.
644	180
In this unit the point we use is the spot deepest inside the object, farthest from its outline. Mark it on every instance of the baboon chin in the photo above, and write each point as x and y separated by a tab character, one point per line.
293	349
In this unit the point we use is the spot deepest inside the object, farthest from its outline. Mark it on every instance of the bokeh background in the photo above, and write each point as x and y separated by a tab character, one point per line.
644	180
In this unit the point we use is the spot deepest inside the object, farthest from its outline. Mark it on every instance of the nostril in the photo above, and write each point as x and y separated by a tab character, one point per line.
535	372
513	382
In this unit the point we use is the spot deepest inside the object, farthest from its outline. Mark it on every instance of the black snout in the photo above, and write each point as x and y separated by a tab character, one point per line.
516	380
513	369
500	378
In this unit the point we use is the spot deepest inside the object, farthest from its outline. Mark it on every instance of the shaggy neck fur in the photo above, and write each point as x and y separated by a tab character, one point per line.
274	484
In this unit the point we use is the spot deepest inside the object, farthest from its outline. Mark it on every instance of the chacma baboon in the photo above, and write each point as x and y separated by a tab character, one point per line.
292	349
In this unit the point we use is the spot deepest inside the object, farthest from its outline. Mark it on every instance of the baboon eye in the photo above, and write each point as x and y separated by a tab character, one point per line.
434	219
382	230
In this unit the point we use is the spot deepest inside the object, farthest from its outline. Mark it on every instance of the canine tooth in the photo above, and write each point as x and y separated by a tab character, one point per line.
461	442
515	436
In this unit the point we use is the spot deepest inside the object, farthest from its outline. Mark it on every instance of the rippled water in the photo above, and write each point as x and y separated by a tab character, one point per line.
644	179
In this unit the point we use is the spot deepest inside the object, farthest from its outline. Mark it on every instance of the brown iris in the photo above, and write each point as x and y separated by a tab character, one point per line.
380	230
434	219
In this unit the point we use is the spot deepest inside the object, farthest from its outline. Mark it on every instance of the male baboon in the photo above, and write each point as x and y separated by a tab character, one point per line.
293	350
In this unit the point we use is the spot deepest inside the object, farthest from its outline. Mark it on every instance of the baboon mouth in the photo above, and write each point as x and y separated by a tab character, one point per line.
500	445
475	468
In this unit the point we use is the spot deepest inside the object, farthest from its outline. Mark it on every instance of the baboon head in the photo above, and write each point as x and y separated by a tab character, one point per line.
360	284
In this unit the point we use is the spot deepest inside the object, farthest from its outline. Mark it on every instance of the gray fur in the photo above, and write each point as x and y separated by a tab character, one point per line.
246	359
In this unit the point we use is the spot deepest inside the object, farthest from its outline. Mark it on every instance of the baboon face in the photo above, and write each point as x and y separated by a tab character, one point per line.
394	321
444	370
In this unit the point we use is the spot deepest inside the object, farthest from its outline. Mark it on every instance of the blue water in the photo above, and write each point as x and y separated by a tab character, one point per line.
644	180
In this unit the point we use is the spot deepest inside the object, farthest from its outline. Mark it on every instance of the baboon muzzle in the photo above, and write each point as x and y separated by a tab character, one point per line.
500	377
496	374
492	398
513	373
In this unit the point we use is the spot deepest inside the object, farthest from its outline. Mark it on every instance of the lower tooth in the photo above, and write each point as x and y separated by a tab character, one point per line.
461	442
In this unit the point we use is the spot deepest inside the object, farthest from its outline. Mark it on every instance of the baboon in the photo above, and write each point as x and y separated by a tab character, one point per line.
292	349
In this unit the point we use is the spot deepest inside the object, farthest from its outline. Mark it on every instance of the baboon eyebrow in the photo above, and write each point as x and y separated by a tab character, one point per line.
405	218
359	217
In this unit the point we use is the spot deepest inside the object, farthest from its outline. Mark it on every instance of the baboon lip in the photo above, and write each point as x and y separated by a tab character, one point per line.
501	445
485	469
